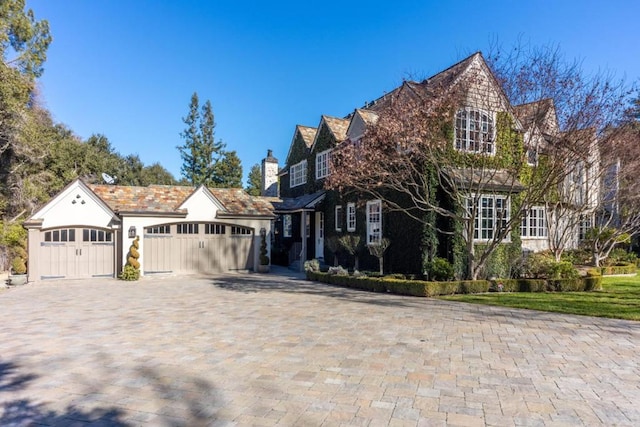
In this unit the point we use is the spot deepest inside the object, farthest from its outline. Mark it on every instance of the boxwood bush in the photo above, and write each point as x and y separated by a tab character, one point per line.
619	268
422	288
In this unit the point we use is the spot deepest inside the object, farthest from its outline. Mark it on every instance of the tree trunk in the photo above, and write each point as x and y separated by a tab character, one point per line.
356	264
381	264
471	274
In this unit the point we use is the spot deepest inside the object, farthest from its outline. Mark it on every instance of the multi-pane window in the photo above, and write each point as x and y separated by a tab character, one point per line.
287	226
584	226
322	164
66	235
534	223
187	228
159	229
492	215
214	229
240	231
339	218
374	222
93	235
475	131
351	217
298	174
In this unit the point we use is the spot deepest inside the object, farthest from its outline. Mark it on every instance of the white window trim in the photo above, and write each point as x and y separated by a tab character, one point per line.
477	236
337	217
536	223
492	138
374	234
322	164
298	174
351	217
287	226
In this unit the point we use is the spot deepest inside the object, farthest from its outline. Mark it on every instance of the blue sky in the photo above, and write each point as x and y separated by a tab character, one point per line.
127	68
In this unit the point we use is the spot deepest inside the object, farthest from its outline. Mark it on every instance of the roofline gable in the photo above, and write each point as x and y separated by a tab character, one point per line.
208	194
293	141
73	185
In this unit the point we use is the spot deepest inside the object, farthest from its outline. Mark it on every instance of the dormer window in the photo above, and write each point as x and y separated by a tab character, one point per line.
298	174
322	164
475	131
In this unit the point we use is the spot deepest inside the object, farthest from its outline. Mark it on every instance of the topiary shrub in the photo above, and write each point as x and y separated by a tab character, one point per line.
131	269
130	273
18	265
264	259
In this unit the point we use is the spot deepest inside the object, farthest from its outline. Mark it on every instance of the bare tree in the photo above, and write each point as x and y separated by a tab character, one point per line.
453	147
578	112
617	216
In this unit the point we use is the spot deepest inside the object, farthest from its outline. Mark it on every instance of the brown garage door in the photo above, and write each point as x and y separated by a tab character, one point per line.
75	253
197	248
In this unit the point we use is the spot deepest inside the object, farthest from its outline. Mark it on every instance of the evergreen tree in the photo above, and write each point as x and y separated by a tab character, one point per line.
254	181
228	171
200	153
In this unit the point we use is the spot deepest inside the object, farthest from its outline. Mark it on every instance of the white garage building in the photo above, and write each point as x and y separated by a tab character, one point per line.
87	230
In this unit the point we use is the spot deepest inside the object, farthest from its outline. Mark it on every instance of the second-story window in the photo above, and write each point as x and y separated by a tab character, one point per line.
322	164
475	131
298	174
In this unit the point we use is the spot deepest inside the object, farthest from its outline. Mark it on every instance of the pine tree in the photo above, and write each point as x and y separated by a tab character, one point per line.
254	181
228	171
200	153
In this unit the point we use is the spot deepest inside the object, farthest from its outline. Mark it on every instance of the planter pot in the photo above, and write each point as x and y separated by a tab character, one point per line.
263	268
17	279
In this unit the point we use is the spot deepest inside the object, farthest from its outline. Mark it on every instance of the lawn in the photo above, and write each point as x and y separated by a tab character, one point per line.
619	299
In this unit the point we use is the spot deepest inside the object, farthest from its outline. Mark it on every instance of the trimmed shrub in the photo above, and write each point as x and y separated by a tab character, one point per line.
339	271
593	281
562	270
440	269
312	265
620	268
421	288
130	273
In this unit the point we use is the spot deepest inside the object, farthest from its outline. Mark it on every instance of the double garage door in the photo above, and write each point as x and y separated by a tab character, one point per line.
197	248
75	253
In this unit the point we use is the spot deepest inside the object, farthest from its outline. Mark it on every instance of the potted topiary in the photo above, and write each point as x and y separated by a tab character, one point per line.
18	274
263	267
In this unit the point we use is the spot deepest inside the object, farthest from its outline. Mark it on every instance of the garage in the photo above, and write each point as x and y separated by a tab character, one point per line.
197	247
75	253
87	229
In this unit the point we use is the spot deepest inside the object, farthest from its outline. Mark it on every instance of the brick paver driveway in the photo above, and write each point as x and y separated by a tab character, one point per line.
271	350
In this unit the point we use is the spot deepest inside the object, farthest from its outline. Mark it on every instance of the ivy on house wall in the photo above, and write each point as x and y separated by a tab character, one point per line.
509	156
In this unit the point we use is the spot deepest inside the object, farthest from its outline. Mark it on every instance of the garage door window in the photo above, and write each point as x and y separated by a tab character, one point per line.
60	235
160	229
214	229
188	228
240	231
93	235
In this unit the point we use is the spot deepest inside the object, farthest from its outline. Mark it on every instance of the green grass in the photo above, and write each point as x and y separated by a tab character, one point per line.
619	299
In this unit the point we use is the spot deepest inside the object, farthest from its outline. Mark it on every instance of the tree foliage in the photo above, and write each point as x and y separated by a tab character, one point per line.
200	153
254	180
228	171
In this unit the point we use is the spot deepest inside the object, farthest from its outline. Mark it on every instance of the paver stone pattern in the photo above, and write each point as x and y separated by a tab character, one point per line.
267	350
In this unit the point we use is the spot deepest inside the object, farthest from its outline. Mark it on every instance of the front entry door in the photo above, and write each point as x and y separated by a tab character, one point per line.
319	235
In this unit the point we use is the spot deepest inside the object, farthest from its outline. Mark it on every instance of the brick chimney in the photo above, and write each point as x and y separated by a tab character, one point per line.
270	176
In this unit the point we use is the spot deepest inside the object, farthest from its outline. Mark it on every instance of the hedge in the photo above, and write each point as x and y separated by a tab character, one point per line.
421	288
622	268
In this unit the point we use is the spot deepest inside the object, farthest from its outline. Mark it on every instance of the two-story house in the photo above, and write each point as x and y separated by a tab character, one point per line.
484	201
